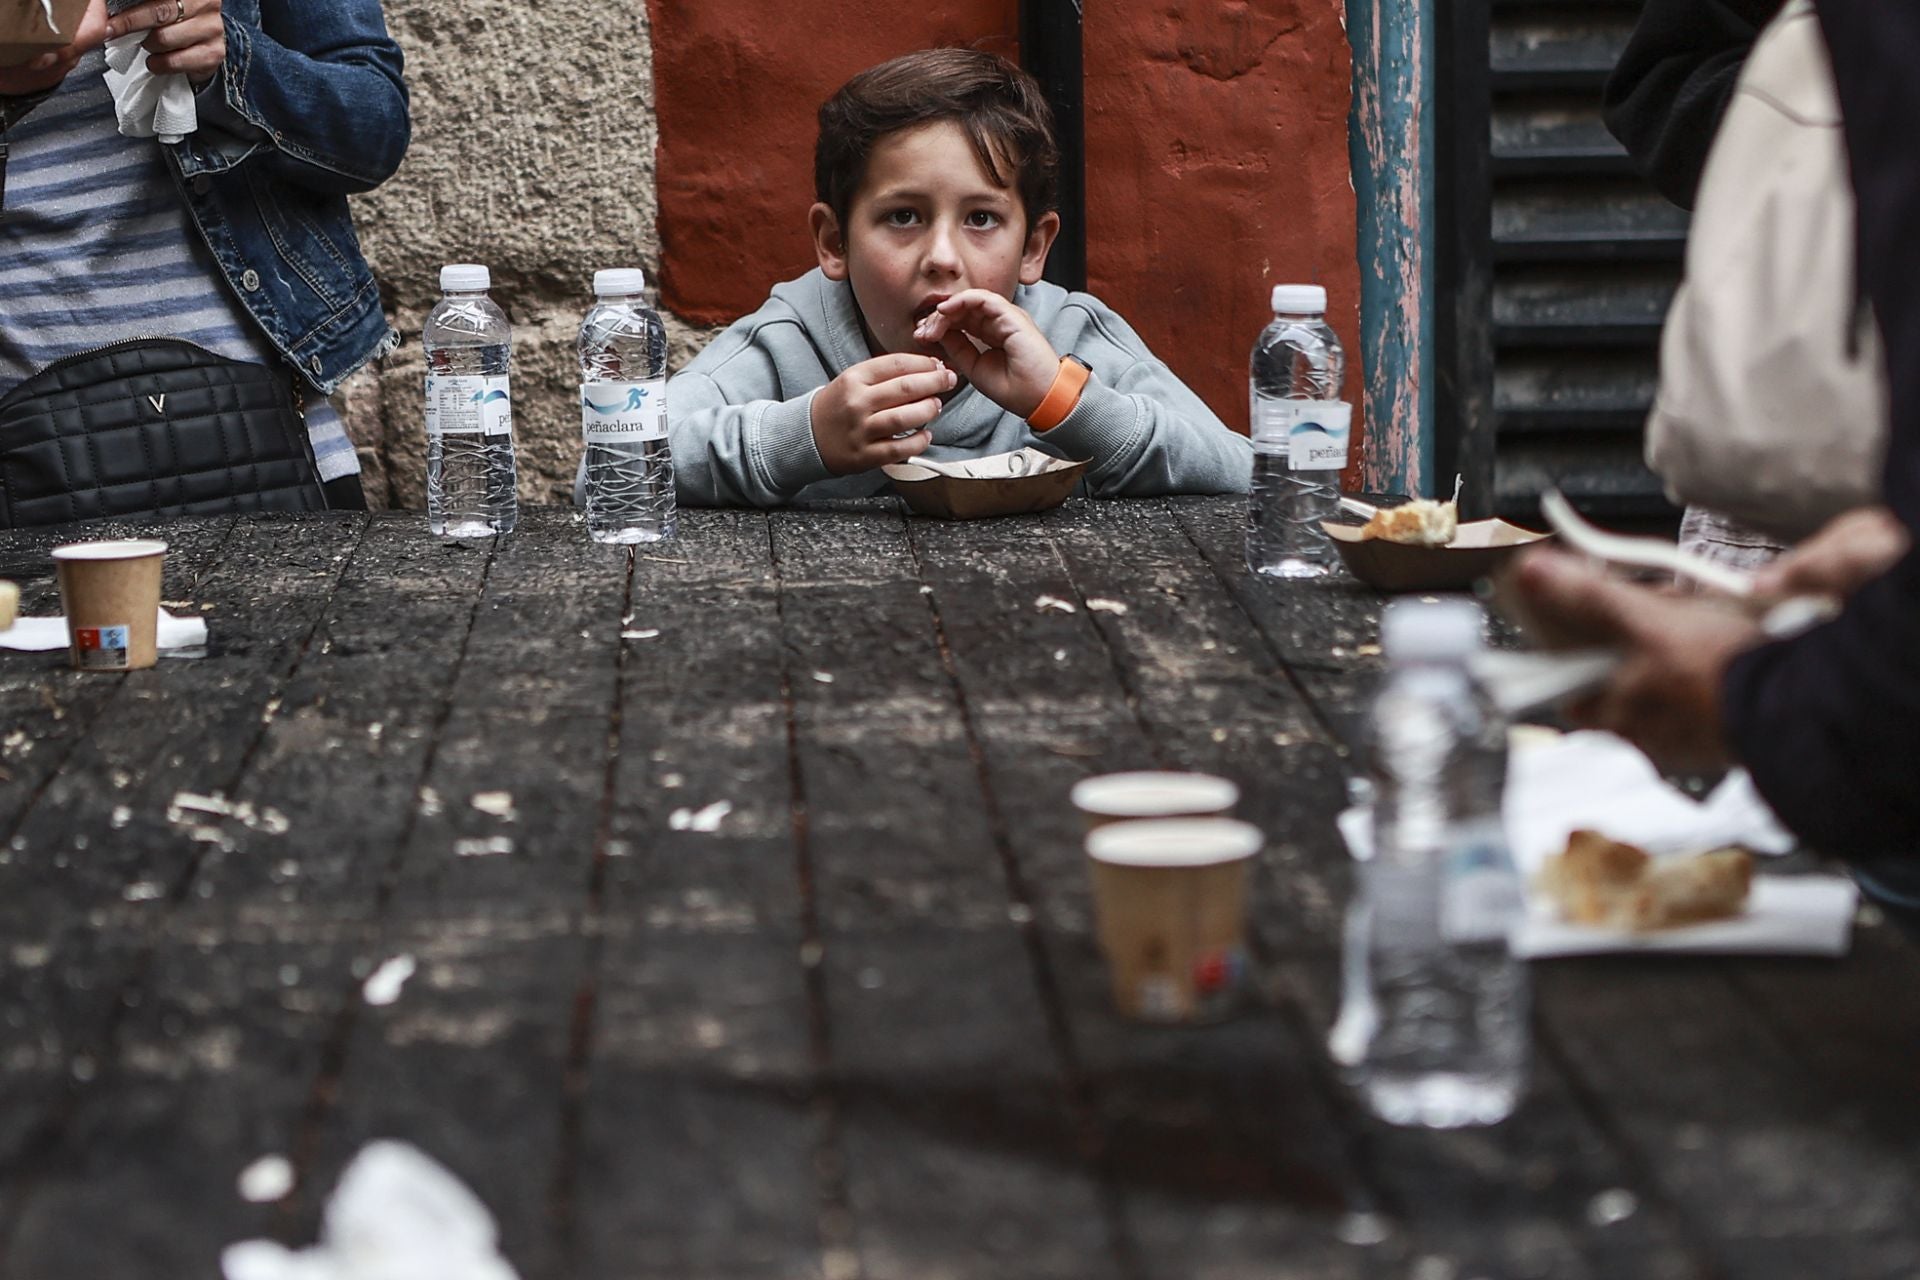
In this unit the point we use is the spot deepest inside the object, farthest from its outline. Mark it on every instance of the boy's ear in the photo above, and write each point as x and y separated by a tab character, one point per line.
829	242
1033	258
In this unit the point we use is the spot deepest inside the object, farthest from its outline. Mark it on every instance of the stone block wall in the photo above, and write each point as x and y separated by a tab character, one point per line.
533	152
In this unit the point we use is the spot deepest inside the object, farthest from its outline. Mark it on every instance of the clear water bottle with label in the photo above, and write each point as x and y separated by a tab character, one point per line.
1444	1043
623	413
470	472
1300	433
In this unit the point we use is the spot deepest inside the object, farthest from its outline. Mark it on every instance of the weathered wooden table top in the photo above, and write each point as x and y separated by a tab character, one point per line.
859	1029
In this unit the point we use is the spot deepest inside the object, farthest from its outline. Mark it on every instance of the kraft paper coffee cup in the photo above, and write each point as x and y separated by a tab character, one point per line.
1170	898
1120	797
110	592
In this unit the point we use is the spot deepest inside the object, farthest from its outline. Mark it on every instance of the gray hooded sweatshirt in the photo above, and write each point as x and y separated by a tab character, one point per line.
742	435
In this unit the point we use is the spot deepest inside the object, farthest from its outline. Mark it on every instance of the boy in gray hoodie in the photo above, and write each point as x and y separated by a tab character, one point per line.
926	329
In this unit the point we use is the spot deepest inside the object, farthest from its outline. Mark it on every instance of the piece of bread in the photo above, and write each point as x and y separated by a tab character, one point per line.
1593	874
9	604
1704	886
1603	882
1420	523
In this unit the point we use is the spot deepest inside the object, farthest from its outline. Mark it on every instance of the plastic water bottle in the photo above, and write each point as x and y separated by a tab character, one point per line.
1300	431
470	472
623	413
1445	1036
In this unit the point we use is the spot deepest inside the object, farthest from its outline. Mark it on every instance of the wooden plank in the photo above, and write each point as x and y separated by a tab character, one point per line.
911	890
209	1072
276	919
1215	708
1731	1125
1326	630
860	1028
698	1137
1537	1195
471	1062
1210	695
1178	1160
696	1133
43	706
106	850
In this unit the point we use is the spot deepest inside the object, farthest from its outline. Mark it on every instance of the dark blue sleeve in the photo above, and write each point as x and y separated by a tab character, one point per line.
1829	723
318	84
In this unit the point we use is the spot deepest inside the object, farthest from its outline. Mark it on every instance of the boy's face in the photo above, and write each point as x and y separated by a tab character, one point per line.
927	222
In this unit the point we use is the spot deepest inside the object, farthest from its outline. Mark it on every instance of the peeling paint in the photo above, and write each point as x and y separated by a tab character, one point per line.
1392	152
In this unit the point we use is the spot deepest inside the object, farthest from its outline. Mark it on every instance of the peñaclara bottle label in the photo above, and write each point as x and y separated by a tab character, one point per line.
622	412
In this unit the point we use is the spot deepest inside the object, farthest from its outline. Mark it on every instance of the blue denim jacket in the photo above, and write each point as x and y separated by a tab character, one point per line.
309	108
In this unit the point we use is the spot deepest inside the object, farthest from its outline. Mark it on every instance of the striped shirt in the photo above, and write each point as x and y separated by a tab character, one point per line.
96	246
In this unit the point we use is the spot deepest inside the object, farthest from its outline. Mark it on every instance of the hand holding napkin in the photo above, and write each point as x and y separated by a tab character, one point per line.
148	105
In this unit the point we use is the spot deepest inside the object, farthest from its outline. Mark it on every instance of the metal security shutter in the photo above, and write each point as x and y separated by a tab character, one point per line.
1561	260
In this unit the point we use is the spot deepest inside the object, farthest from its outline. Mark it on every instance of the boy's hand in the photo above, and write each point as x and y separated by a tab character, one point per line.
876	412
1018	364
49	69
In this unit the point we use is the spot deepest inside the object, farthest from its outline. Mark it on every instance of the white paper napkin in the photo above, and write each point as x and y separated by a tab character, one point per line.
38	635
147	105
1599	782
397	1214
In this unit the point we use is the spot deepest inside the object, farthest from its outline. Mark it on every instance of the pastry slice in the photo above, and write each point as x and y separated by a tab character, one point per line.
1603	882
1420	523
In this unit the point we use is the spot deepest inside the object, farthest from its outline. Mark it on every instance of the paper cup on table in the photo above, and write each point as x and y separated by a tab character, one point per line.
1170	898
1122	797
110	592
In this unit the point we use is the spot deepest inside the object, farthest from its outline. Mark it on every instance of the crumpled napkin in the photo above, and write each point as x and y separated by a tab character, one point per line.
396	1215
148	106
1600	782
38	635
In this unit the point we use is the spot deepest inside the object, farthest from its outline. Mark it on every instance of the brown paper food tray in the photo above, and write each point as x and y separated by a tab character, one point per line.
24	34
1477	551
958	498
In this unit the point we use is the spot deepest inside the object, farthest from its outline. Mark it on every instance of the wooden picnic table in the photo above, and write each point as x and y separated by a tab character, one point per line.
858	1028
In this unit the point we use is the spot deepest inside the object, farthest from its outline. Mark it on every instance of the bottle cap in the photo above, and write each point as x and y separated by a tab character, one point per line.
1431	630
619	280
1300	299
464	277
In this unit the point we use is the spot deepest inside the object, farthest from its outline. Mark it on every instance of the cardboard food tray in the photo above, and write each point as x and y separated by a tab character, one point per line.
25	33
1003	484
1478	550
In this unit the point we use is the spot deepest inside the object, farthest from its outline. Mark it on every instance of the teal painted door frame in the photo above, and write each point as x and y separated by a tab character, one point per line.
1391	141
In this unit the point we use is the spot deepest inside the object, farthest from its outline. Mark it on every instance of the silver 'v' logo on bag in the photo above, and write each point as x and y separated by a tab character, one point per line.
158	402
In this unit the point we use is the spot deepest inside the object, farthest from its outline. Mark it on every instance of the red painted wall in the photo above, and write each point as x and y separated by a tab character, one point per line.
1216	169
1216	156
737	84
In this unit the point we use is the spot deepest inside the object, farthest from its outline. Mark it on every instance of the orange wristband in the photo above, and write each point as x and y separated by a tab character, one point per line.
1062	396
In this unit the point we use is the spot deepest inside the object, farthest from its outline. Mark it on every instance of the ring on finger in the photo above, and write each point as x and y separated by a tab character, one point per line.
179	12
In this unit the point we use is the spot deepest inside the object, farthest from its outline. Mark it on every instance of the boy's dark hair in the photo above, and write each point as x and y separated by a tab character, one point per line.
1000	107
